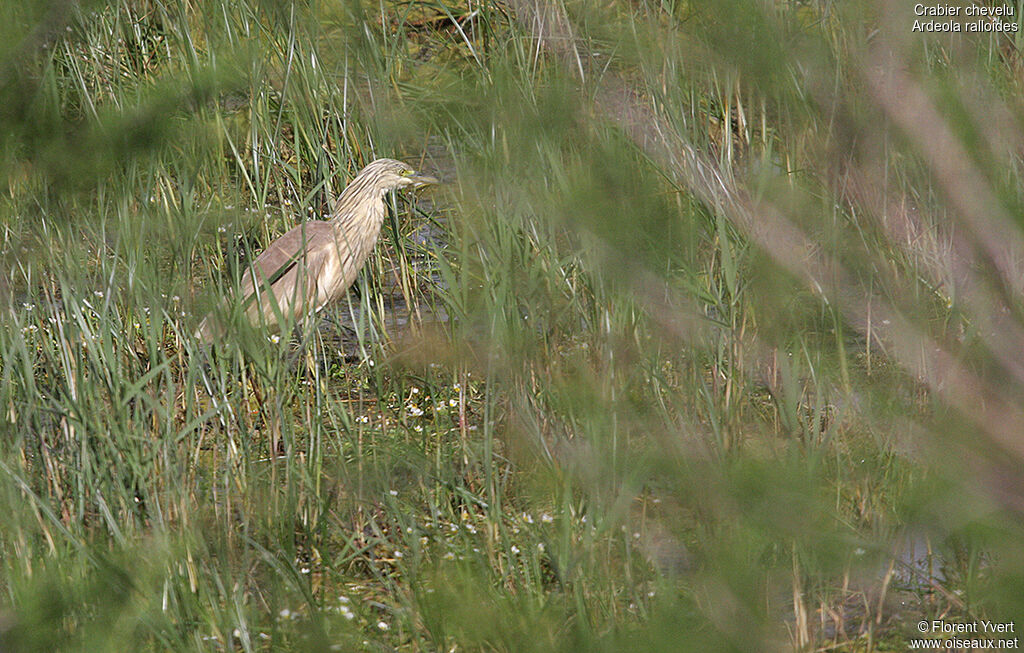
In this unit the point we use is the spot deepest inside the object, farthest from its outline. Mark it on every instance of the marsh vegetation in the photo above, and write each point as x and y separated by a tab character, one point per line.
711	340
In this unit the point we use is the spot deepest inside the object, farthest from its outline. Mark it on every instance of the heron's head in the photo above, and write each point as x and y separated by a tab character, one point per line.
388	174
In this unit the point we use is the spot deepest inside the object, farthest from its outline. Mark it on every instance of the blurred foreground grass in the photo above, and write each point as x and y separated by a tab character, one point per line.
711	342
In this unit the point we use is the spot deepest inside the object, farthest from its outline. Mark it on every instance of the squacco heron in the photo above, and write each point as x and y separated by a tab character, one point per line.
313	265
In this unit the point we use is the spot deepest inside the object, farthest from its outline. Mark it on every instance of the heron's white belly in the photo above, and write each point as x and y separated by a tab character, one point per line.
334	280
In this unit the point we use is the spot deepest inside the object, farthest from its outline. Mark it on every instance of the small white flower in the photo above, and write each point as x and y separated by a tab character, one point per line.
453	402
457	387
527	517
414	411
285	613
418	428
393	493
398	554
348	614
28	307
369	361
546	518
98	293
414	390
650	594
274	338
363	419
471	528
636	536
540	547
382	625
304	570
449	556
343	599
514	549
176	298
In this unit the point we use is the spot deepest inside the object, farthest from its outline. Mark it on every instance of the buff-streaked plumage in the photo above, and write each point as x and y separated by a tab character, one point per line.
313	265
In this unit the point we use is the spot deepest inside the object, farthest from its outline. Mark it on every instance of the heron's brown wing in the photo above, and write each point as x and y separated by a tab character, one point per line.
303	270
289	267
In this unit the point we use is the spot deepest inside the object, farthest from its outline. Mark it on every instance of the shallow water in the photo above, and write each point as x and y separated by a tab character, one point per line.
918	566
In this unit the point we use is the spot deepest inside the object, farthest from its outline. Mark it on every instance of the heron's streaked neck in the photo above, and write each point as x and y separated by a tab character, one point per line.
360	205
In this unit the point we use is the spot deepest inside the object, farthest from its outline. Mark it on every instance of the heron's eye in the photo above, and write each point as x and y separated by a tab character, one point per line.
406	173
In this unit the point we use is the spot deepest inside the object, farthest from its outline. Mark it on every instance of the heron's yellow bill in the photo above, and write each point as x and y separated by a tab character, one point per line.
419	181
